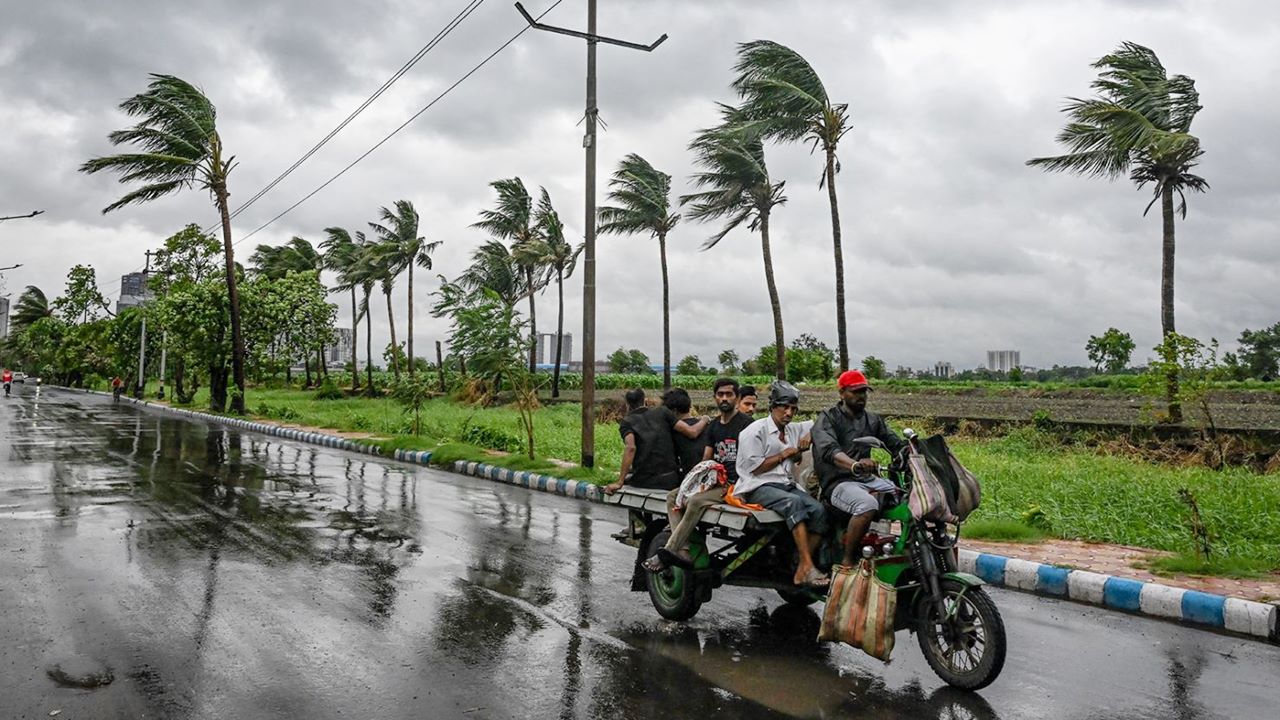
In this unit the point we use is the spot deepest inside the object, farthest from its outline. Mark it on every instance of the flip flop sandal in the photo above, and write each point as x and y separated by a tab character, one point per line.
669	558
654	564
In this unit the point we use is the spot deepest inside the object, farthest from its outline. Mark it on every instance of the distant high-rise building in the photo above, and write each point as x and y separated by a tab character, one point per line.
4	317
133	290
943	370
1003	360
338	353
546	348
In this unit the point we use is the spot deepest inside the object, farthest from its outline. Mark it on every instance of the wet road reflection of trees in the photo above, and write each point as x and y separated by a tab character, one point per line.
213	490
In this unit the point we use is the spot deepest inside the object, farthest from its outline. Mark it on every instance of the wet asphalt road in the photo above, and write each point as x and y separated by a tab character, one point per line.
216	574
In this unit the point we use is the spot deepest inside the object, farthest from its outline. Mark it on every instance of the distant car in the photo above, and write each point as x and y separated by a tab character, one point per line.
20	377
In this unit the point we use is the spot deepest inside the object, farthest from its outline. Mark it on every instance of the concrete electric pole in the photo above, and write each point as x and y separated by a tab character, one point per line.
589	251
142	344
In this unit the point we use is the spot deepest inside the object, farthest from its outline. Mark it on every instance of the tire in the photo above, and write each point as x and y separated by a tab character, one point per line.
799	598
982	628
673	592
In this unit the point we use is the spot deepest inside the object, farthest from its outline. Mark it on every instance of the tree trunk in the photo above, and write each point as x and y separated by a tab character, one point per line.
233	300
409	354
842	337
368	344
179	381
322	367
395	348
355	344
306	367
1166	297
666	314
533	323
218	386
780	349
555	374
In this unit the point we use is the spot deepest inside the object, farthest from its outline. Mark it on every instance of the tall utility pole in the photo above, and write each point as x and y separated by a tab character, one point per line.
589	251
142	343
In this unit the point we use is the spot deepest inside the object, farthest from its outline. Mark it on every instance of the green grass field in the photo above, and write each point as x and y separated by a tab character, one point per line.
1081	494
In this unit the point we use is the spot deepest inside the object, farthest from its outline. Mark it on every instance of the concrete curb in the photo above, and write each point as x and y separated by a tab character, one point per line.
1192	607
1133	596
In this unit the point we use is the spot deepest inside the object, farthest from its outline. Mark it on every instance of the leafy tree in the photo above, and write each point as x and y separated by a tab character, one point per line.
689	365
413	392
512	219
1260	352
873	367
179	147
1138	123
188	257
82	300
784	99
642	204
629	361
1111	350
561	258
1196	365
1015	374
296	256
398	232
809	359
734	186
728	360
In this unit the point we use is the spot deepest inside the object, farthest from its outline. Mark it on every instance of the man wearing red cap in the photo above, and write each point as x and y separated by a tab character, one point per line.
845	469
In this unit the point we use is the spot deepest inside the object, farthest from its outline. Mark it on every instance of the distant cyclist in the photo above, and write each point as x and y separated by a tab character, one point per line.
7	378
117	387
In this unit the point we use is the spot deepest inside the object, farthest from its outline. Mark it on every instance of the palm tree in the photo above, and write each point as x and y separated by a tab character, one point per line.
382	262
736	187
342	256
642	205
493	267
785	100
560	258
32	305
399	230
1138	123
512	219
366	271
179	148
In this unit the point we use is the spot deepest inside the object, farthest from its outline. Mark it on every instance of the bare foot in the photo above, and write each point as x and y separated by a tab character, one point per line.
811	579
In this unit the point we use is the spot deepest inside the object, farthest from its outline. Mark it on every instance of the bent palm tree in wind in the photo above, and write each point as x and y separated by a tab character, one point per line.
784	99
275	262
736	188
32	306
342	256
642	204
512	219
398	230
560	258
1139	123
179	147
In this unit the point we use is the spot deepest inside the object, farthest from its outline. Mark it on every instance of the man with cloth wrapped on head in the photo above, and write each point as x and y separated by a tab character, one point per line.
767	452
845	469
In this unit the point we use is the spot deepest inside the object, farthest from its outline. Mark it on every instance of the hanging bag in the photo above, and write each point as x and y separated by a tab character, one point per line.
928	497
860	610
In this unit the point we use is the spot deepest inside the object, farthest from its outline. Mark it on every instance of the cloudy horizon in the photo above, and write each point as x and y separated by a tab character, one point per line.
952	245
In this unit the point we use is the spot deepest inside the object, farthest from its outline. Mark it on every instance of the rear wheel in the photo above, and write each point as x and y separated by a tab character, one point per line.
967	647
673	592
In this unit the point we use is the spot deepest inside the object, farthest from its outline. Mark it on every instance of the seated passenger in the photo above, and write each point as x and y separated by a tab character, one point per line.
648	454
767	450
721	445
845	469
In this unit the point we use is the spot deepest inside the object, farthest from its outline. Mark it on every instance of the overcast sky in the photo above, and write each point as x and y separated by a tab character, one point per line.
952	245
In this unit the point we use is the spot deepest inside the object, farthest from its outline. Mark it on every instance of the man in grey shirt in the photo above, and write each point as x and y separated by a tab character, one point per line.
767	452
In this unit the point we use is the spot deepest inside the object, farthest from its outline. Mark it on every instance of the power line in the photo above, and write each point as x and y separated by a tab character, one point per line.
457	20
405	124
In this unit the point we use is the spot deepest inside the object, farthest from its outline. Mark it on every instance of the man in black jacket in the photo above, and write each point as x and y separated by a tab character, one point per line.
845	469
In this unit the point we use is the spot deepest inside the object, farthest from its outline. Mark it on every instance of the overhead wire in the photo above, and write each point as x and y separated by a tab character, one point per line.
467	10
402	126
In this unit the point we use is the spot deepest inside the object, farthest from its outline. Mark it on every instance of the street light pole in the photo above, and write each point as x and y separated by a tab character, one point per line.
142	343
589	245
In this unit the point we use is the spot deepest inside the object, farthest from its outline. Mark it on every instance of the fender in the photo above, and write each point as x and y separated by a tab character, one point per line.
966	579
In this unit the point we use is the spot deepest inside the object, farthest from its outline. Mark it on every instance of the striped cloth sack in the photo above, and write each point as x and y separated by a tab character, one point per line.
860	610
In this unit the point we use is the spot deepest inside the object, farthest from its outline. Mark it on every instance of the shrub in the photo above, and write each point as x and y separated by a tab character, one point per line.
329	390
491	438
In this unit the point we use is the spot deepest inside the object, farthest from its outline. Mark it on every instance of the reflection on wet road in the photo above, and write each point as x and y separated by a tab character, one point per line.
208	573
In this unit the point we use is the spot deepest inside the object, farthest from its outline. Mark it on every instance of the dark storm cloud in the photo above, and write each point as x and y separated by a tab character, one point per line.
952	245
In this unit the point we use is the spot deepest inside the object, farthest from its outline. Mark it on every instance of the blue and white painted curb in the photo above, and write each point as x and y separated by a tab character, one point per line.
1116	593
1245	617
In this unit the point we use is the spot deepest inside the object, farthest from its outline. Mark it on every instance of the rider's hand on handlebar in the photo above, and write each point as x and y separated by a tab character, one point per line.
865	466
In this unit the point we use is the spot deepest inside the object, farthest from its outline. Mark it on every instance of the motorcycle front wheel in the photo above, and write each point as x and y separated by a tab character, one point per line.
967	647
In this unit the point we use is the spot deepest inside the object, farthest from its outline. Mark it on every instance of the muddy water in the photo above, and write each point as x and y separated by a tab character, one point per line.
216	574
